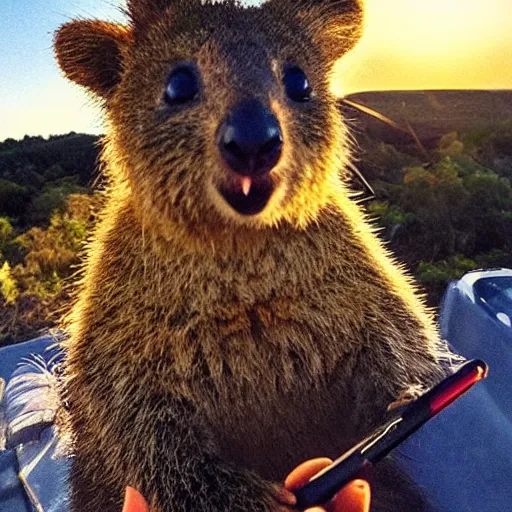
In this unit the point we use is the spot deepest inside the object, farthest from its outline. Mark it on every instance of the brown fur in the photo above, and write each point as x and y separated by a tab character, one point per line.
209	353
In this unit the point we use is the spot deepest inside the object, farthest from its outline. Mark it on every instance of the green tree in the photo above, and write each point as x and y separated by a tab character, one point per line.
14	198
52	199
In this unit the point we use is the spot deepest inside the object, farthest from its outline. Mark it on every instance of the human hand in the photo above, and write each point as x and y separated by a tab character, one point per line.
354	497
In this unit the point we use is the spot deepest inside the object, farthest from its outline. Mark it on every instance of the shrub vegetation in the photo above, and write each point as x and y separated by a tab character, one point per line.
442	218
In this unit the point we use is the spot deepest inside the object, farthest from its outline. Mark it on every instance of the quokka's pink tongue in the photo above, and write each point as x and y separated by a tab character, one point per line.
246	185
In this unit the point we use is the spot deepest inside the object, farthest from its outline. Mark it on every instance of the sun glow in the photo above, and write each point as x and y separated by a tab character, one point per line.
436	44
440	28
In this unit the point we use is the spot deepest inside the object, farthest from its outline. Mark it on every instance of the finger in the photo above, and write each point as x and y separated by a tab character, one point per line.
354	497
284	496
304	472
134	501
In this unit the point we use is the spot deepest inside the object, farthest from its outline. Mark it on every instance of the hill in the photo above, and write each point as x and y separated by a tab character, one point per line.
431	113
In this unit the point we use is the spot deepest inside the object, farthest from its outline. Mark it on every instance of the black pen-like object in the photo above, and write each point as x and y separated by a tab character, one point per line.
326	484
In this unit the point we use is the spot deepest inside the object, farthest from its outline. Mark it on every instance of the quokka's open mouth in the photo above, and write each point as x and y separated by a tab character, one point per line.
248	196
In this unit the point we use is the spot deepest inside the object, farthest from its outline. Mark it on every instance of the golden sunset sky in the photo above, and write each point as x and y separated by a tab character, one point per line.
408	44
431	44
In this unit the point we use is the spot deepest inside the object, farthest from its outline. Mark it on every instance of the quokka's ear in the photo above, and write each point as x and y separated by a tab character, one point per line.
335	25
90	53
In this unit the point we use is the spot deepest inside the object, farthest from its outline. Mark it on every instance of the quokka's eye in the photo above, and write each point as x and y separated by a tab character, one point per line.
182	86
296	84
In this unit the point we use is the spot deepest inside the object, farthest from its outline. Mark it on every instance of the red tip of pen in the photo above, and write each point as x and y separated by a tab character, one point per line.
458	388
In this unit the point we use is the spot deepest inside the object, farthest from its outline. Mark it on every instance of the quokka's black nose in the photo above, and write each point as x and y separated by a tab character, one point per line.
250	139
